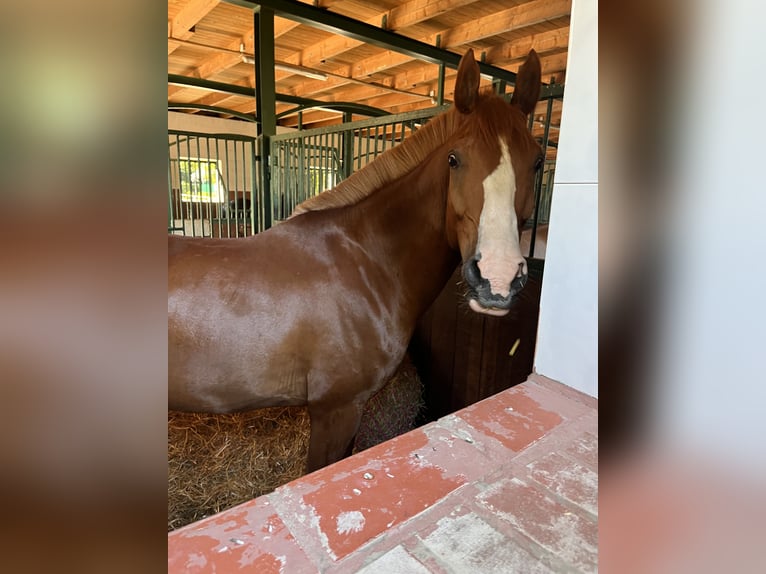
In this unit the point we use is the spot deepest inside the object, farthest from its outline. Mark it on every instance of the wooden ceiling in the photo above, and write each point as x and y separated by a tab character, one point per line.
205	38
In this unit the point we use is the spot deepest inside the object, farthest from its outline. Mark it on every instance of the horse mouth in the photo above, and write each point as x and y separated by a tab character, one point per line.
477	307
482	300
480	297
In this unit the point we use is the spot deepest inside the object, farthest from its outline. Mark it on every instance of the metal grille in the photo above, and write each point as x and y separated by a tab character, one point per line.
306	163
212	189
212	178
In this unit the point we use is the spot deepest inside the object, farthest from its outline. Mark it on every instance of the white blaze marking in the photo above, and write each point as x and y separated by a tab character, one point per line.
498	241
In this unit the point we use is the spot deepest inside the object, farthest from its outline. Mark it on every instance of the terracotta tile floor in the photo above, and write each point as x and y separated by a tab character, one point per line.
506	485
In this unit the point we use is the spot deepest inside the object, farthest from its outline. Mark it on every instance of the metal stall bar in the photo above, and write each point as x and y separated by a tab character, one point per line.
324	147
208	169
263	29
210	180
539	178
236	215
227	208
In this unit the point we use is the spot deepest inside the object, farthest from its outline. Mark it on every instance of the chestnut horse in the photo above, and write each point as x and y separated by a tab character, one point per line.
319	309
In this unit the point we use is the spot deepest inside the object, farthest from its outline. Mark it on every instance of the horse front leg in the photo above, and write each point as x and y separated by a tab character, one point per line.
332	433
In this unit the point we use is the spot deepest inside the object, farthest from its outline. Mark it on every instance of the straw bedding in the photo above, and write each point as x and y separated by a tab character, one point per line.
218	461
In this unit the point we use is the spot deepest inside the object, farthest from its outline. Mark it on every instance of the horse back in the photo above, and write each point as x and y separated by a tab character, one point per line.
275	318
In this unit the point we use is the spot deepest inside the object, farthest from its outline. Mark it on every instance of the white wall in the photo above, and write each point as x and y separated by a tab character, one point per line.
567	337
209	125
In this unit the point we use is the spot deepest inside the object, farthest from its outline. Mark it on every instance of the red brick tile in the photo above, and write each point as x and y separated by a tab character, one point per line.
456	448
466	543
512	417
348	504
563	390
569	535
250	537
404	535
585	449
566	401
567	479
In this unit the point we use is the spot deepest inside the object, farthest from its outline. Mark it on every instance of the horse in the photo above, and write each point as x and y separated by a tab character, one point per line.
319	309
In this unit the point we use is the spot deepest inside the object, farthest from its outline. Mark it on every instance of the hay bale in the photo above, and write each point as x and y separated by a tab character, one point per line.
393	410
218	461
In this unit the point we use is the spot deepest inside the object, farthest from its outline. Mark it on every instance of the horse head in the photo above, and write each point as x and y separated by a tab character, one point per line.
492	161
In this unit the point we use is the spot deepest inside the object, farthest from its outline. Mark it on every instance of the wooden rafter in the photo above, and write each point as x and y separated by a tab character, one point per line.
501	33
180	25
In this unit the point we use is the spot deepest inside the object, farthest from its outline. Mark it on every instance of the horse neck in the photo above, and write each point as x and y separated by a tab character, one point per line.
405	221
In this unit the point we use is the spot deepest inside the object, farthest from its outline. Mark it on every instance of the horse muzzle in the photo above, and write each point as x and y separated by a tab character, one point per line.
481	298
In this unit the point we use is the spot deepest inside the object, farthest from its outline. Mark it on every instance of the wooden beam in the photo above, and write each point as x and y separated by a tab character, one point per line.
187	17
417	11
544	43
387	60
375	96
516	18
313	116
550	65
216	98
217	63
464	34
422	80
415	84
173	90
172	45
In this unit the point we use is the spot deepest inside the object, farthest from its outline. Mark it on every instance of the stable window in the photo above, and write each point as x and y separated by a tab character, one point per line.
200	180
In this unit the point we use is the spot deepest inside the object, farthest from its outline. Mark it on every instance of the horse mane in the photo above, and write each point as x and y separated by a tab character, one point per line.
387	167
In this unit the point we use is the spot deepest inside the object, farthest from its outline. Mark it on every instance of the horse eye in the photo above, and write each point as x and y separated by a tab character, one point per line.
539	163
453	161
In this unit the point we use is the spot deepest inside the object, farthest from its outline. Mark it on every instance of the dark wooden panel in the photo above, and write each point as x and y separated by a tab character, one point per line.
463	357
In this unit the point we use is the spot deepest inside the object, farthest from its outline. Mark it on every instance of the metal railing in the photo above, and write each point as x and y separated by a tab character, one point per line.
306	163
213	179
212	185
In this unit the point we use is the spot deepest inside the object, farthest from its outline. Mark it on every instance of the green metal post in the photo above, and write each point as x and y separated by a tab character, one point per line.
440	87
539	178
265	100
171	222
348	147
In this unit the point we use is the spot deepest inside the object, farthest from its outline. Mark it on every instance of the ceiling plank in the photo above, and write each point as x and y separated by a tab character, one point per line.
550	65
385	78
217	63
553	64
345	26
521	16
406	14
539	10
547	42
514	18
418	11
189	15
451	38
184	21
504	55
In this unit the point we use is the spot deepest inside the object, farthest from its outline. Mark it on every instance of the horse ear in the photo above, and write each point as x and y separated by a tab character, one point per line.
527	90
467	84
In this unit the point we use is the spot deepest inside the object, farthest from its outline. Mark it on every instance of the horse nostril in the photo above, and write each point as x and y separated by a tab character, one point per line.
520	280
471	272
